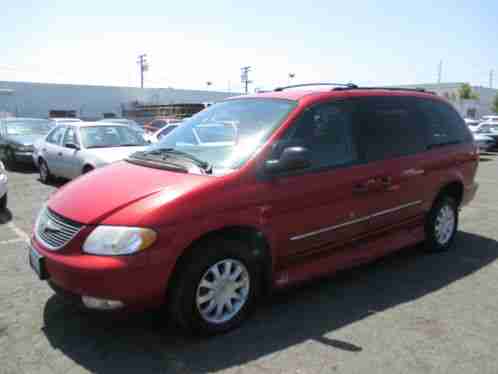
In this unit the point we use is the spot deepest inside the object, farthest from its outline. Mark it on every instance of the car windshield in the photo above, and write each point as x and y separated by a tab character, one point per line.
110	136
28	127
226	134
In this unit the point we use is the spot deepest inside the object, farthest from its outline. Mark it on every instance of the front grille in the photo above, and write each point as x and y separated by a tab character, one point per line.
55	231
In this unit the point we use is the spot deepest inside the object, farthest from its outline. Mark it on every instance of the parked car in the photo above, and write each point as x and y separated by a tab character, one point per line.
71	150
158	123
488	129
161	133
280	188
17	136
493	118
61	120
3	188
484	142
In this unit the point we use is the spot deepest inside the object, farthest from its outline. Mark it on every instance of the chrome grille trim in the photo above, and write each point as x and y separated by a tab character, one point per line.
60	231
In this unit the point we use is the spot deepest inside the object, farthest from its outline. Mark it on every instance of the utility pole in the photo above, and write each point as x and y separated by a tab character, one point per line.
291	76
142	62
244	76
491	73
440	71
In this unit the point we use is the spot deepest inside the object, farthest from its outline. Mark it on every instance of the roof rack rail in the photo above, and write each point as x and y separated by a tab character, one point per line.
343	85
416	89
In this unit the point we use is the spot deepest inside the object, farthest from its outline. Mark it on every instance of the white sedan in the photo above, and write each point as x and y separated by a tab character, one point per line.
70	150
161	133
3	188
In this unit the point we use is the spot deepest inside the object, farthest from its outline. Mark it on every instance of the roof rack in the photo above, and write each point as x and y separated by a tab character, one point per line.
416	89
342	85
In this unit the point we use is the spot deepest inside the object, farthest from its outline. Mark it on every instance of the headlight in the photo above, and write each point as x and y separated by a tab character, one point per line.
118	240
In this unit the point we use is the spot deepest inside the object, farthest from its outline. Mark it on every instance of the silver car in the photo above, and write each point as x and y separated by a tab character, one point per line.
70	150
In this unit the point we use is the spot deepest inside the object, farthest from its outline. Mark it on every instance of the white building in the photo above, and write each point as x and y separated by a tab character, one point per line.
467	108
25	99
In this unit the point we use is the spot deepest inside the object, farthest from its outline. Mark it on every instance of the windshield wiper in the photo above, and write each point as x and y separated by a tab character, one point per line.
167	152
131	145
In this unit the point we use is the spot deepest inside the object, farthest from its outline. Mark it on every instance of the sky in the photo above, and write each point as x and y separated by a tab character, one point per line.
189	43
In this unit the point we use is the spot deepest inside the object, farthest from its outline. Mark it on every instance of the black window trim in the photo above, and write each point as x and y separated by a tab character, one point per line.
262	175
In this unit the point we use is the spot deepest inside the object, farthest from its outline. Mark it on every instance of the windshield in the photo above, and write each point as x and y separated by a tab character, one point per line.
226	134
110	136
31	127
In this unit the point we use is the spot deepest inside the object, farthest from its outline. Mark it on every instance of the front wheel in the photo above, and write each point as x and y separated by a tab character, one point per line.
45	176
441	225
216	288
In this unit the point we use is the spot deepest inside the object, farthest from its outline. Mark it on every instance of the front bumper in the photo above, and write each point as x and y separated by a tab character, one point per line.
130	280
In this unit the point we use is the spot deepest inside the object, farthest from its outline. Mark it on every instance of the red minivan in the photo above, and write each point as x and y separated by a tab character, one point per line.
257	193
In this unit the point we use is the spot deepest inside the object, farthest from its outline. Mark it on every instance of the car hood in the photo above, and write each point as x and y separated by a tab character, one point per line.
109	155
24	139
93	197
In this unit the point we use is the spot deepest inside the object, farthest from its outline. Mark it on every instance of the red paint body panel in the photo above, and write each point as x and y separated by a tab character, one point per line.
182	208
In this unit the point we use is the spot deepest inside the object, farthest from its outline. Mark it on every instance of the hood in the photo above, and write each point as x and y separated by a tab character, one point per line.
24	139
110	155
95	196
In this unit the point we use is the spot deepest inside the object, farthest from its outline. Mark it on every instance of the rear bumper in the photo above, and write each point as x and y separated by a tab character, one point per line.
24	157
469	193
3	185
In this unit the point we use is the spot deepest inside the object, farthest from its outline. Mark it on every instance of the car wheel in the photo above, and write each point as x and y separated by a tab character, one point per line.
3	203
87	169
45	176
10	159
441	225
216	288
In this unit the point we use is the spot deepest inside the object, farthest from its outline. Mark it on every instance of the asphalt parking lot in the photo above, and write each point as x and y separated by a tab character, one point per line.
408	313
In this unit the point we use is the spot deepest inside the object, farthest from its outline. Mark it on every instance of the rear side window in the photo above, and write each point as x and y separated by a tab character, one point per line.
444	124
388	127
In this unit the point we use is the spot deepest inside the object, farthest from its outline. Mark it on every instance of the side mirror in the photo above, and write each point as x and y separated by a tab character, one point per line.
292	158
72	146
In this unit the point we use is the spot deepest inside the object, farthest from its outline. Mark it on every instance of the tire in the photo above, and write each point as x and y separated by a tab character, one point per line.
44	171
441	225
3	203
87	169
187	307
10	159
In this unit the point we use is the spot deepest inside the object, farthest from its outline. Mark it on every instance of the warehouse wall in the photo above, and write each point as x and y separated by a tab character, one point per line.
26	99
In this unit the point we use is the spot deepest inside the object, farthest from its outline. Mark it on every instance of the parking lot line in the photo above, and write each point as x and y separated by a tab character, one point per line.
19	232
12	241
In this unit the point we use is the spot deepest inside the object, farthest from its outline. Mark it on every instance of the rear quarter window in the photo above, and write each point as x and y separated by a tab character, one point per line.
444	124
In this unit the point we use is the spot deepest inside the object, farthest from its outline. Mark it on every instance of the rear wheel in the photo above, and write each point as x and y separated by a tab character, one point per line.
3	203
45	176
216	288
10	159
441	225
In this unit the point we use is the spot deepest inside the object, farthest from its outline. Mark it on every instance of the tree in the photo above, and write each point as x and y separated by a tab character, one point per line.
465	92
494	106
